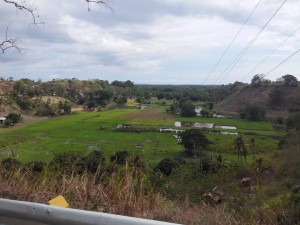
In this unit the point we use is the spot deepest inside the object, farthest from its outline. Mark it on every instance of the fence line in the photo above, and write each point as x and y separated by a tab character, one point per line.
27	213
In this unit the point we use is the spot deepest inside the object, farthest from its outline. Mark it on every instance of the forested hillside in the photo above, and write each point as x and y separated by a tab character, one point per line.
277	98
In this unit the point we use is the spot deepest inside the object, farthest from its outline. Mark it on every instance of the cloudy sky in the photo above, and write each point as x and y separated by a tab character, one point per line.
150	41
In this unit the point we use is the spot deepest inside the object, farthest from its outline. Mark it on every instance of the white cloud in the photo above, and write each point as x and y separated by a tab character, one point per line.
169	39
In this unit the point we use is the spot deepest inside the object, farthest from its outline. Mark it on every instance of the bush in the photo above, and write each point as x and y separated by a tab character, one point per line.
293	122
253	112
166	165
194	141
8	123
120	157
188	110
94	160
11	164
276	97
36	166
14	118
67	162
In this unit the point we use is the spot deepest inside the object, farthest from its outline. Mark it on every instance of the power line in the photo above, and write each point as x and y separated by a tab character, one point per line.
282	62
230	44
244	51
271	53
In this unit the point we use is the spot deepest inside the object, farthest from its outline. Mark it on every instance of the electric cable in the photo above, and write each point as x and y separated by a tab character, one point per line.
282	63
244	51
270	54
230	44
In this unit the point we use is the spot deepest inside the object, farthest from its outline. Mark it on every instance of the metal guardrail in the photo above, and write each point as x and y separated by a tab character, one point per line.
27	213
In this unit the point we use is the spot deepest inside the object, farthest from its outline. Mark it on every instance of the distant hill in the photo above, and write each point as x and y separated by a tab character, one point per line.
278	100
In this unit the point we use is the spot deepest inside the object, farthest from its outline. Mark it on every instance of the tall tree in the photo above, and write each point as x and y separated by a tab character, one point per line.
194	141
290	80
241	150
188	109
257	80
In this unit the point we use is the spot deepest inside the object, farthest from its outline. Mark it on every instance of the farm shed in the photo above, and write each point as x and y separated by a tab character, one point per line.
2	119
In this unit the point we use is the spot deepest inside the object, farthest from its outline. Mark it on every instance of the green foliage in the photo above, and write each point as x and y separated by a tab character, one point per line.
257	80
167	165
253	112
290	80
11	164
91	104
24	103
14	118
94	160
240	147
36	166
204	112
276	97
188	109
45	109
194	141
293	122
65	106
120	157
124	84
67	163
8	123
295	200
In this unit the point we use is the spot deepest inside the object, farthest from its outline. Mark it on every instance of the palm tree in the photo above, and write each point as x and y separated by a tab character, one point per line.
240	147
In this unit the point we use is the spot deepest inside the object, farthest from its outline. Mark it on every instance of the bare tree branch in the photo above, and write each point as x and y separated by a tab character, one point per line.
101	2
9	43
31	10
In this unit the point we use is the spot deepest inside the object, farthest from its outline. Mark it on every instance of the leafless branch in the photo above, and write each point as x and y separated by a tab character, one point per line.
101	2
31	10
9	43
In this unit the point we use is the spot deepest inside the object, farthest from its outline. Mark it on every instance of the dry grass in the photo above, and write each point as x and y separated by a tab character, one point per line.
126	192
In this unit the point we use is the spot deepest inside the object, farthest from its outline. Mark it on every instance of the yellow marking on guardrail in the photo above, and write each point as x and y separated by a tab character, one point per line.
59	201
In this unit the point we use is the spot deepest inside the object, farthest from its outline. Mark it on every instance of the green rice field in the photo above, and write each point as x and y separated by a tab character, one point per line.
88	131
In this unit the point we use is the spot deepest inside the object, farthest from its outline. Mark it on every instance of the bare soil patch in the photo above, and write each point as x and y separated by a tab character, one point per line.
149	114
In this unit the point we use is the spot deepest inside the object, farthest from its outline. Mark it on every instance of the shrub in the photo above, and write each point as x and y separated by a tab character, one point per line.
293	122
166	165
276	97
67	162
11	164
188	109
36	166
253	112
194	141
94	160
120	157
14	118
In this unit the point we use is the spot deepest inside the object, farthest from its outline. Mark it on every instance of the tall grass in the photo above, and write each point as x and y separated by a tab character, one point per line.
125	192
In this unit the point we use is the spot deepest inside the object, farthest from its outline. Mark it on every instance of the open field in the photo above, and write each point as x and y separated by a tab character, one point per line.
84	132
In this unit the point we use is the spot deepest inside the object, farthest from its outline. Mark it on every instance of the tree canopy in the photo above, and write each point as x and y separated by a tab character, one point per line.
290	80
194	141
188	109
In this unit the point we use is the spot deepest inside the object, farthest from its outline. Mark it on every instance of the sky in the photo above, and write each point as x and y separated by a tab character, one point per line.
150	41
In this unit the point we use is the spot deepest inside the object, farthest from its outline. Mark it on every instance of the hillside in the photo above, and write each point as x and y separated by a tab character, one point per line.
277	100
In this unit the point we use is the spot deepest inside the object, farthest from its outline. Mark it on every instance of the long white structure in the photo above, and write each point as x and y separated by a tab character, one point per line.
27	213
